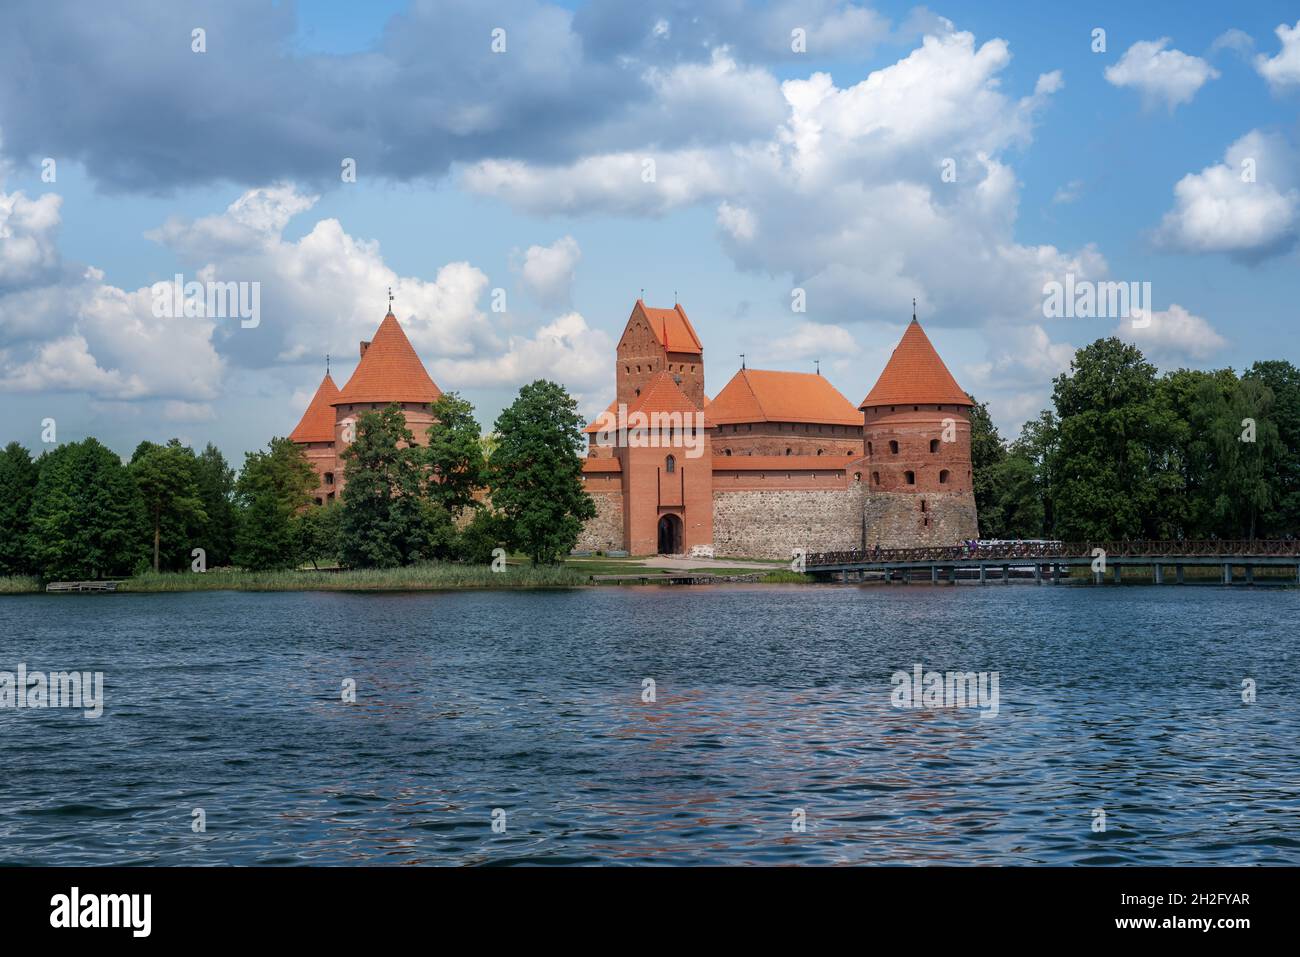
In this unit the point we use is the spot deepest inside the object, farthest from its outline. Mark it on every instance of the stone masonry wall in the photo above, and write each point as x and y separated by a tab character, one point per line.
773	522
605	531
896	519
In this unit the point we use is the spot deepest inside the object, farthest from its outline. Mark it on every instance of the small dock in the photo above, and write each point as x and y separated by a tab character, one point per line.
82	586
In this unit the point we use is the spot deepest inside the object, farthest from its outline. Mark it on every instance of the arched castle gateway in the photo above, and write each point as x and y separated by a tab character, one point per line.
776	461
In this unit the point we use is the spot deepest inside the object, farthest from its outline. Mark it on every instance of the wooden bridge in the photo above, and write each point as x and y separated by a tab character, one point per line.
1052	561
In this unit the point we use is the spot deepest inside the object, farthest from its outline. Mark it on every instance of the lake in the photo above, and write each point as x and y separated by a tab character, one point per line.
772	737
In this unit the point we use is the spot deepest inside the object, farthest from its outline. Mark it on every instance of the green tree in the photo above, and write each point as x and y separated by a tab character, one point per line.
535	473
454	455
987	453
318	530
272	487
216	484
1195	398
1281	517
487	531
1245	443
386	519
1114	460
166	476
1038	443
87	517
18	474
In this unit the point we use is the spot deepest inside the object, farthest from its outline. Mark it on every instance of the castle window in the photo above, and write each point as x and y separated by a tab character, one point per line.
319	502
726	452
787	451
934	446
943	476
909	477
875	478
926	521
820	451
893	446
923	505
857	476
329	478
868	448
916	408
670	464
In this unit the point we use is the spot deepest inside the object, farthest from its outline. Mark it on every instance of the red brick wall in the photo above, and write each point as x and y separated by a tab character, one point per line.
920	433
773	438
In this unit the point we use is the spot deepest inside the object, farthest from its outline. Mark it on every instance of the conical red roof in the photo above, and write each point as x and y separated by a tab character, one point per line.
317	423
389	370
914	375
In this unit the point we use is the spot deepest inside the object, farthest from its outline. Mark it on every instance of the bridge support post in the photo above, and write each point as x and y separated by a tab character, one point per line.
1119	575
1038	574
1056	574
888	577
1227	574
983	574
1096	577
1250	574
1178	574
1006	574
1158	572
934	574
952	574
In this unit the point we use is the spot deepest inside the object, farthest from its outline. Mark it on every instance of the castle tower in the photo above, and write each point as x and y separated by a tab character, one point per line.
315	433
916	426
389	372
654	341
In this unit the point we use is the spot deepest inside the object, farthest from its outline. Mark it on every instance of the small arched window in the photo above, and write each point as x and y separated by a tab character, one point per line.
934	446
857	476
923	505
726	452
943	476
875	478
670	464
787	451
820	451
868	448
893	446
909	477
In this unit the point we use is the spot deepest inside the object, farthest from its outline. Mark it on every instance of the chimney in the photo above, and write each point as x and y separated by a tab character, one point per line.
365	344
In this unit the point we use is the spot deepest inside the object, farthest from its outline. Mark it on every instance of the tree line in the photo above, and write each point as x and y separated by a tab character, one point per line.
79	512
1125	453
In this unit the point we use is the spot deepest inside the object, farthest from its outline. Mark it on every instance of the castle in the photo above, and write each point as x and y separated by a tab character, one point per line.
774	462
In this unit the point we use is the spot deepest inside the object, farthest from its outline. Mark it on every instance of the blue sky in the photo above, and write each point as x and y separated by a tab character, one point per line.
523	171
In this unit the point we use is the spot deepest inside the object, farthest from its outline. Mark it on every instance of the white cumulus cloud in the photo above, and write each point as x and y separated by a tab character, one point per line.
1171	76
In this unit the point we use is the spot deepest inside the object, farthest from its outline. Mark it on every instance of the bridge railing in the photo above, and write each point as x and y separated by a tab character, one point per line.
1258	548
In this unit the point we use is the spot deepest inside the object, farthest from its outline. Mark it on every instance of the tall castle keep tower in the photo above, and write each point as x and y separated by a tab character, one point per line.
389	371
916	426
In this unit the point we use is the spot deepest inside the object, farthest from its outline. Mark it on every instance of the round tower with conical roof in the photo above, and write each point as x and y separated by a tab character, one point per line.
917	434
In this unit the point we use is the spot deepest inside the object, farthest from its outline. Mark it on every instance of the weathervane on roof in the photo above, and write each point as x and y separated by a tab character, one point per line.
914	309
327	363
390	298
818	364
742	360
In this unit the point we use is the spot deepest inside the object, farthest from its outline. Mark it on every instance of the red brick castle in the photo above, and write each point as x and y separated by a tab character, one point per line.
775	461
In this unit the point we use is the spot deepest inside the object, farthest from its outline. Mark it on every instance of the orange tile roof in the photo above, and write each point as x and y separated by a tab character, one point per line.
610	464
317	423
389	371
782	463
671	327
915	374
662	394
760	395
598	422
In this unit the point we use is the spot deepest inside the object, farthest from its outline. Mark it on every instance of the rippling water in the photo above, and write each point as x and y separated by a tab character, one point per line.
769	699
